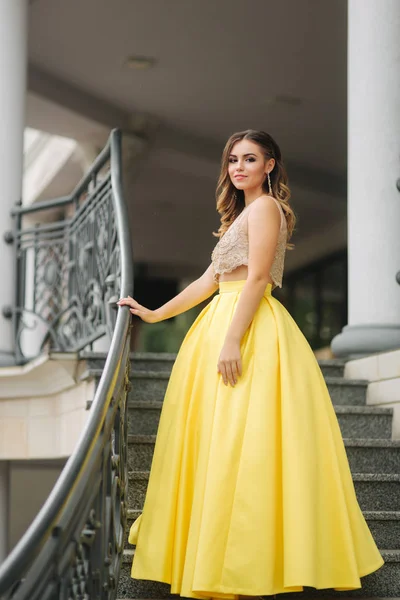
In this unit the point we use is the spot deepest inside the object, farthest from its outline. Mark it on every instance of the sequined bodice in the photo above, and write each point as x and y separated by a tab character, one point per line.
232	249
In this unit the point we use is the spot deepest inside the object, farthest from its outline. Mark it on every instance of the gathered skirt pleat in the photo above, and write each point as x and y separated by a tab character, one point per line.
250	490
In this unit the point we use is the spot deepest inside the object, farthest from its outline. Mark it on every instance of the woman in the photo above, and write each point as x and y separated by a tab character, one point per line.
250	491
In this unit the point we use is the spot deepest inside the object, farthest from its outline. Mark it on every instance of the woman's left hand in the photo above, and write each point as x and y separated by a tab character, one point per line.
230	362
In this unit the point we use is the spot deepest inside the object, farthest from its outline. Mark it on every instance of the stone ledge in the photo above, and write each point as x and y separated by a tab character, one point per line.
382	370
42	407
44	375
376	367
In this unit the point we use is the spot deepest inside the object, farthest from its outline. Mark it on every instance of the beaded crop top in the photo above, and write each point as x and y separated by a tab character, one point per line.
232	249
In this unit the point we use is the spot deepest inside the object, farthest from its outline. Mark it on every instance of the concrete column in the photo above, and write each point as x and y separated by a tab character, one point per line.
373	168
13	52
4	508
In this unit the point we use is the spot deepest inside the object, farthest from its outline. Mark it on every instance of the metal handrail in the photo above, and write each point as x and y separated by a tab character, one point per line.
24	567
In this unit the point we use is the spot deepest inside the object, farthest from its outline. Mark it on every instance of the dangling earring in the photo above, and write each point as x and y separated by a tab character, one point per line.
269	185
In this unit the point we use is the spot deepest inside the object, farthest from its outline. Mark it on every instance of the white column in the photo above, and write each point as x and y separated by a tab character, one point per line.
4	506
373	169
13	51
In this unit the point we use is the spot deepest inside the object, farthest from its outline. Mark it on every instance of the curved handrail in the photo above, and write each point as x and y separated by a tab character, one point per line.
51	519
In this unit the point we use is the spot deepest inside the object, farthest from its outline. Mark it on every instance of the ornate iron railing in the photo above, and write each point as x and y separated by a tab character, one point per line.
68	271
73	548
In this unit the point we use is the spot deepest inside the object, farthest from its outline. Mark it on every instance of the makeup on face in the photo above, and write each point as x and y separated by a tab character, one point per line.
244	167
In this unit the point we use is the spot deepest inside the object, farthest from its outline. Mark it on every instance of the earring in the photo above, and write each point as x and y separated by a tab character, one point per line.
269	185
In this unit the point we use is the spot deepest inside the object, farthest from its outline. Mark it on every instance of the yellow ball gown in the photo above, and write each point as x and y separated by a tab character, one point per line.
250	490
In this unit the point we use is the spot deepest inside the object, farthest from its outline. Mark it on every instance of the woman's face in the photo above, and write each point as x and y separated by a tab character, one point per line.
247	165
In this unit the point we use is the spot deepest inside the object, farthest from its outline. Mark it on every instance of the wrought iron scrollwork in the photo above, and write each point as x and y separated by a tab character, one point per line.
73	548
69	270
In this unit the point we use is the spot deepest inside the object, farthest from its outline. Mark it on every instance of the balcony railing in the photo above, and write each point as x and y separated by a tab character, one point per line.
68	270
74	271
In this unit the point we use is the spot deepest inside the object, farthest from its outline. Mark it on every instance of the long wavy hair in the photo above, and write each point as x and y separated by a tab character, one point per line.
230	200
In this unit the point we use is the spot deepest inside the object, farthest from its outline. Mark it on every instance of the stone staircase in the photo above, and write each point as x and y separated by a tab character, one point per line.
373	456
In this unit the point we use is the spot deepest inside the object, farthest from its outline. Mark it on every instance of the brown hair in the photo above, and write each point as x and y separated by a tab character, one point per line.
230	201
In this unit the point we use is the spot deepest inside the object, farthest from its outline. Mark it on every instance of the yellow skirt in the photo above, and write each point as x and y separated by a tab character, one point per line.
250	490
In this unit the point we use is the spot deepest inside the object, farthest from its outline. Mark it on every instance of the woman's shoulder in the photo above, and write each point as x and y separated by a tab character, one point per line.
264	201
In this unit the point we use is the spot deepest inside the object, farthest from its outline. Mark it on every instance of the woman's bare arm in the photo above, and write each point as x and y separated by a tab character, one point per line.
197	291
263	226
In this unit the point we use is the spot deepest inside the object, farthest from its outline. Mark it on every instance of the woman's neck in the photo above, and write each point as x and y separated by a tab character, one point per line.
252	195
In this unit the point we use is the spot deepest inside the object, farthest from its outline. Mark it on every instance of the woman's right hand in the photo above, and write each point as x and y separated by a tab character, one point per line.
148	316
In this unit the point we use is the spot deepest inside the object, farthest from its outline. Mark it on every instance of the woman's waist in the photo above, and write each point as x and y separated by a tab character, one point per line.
237	285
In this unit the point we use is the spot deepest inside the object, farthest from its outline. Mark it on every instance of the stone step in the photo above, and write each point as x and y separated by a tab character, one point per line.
139	360
151	386
354	421
375	491
143	417
364	455
153	361
332	367
383	583
347	391
148	386
365	421
150	379
373	455
384	526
